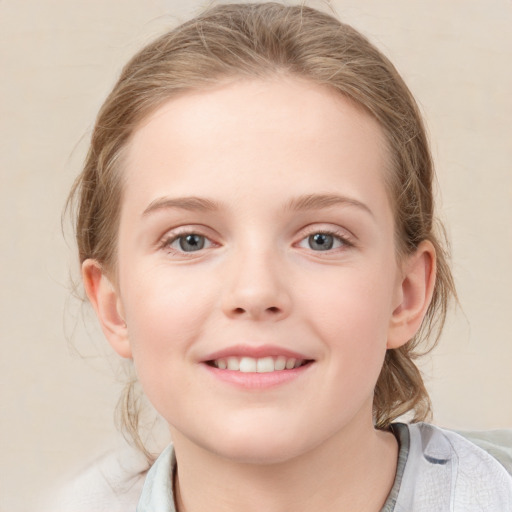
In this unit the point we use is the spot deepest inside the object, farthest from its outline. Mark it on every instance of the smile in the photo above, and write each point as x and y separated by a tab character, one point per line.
257	365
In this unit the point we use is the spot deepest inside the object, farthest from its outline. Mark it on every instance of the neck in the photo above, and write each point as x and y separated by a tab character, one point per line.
353	470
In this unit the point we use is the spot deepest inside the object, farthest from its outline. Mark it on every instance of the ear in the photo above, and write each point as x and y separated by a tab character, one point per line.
106	302
414	293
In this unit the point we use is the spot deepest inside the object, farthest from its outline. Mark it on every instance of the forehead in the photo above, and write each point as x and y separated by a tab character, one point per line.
255	136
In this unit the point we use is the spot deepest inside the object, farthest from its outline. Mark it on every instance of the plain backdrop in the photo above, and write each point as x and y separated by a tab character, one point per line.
58	60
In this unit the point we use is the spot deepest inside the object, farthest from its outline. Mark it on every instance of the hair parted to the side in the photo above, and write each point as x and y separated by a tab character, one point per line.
229	42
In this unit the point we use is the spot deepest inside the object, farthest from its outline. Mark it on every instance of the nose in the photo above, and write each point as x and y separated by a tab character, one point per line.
257	289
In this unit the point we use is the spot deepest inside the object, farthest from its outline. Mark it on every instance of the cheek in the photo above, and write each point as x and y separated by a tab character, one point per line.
165	314
352	300
351	315
163	323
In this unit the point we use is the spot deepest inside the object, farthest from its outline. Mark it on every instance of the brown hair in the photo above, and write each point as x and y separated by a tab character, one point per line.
260	40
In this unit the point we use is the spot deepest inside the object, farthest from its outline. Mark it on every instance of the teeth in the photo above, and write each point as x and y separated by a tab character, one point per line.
280	363
248	365
265	364
290	363
233	363
261	365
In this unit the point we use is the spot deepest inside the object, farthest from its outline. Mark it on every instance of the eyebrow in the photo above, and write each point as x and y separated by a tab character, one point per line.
183	203
320	201
300	203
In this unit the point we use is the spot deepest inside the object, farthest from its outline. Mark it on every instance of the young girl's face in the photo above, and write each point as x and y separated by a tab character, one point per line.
255	232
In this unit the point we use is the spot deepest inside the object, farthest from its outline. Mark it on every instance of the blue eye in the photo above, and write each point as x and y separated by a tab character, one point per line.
188	243
322	241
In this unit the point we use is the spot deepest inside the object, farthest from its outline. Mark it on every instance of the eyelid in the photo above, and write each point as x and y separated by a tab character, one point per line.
346	237
343	234
174	234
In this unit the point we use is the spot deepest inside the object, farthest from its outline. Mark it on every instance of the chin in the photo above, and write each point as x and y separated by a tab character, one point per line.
257	454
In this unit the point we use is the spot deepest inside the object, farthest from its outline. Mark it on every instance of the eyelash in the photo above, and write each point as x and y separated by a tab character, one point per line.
175	237
342	237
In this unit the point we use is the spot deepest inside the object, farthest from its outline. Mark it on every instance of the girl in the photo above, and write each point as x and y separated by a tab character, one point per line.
256	231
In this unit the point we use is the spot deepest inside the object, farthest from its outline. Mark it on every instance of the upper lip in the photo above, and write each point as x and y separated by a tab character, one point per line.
254	351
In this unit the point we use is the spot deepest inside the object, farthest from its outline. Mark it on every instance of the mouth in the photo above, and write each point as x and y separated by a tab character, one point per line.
268	364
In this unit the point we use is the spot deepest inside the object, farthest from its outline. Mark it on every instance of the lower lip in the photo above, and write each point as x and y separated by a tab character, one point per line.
253	380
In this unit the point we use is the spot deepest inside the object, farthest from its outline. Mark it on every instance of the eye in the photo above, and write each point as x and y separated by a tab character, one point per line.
323	241
187	242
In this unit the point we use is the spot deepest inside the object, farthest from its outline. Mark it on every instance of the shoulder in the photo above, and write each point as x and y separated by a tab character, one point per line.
157	493
492	449
498	443
111	483
445	471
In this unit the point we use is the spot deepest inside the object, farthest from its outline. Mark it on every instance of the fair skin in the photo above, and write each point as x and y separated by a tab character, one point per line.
256	224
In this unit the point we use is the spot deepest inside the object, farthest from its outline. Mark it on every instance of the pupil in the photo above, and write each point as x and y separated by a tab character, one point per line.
192	243
321	241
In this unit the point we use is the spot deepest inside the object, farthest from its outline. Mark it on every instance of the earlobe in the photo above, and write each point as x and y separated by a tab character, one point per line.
107	304
415	293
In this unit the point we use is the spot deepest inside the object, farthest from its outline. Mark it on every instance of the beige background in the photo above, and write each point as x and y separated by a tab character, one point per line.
58	59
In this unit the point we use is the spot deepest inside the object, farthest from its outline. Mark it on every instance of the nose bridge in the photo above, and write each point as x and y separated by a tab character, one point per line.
256	287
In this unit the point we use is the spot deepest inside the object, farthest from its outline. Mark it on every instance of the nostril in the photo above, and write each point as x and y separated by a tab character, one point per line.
242	311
